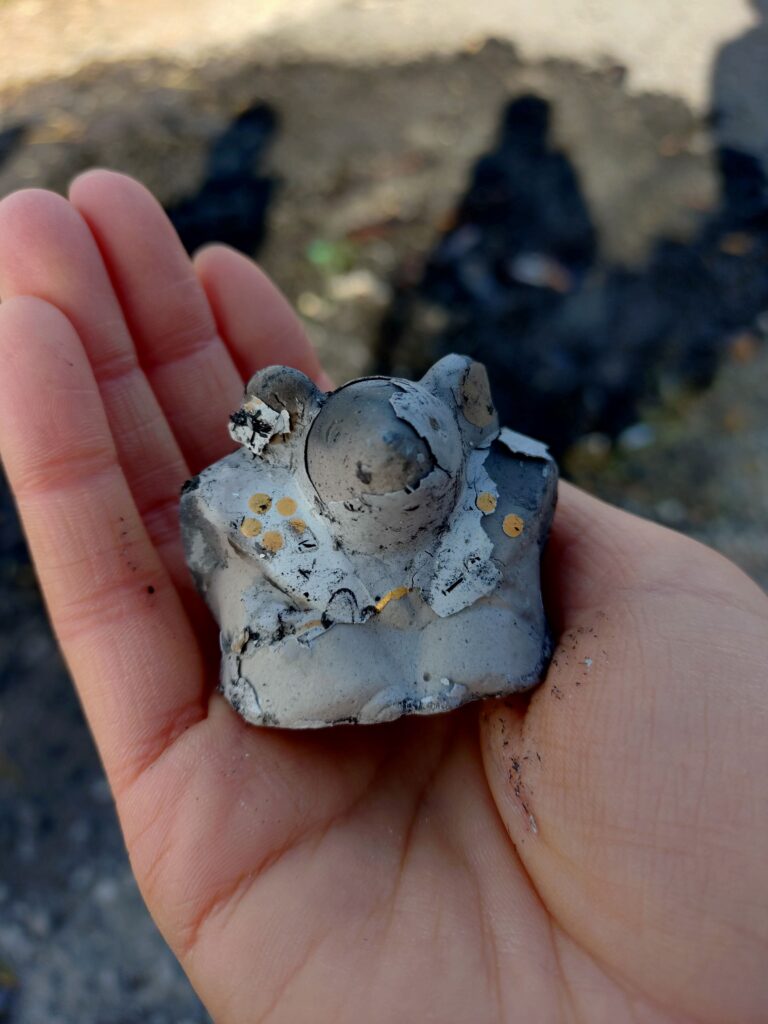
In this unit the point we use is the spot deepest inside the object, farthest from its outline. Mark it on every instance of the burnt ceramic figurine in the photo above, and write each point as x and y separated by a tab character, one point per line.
374	551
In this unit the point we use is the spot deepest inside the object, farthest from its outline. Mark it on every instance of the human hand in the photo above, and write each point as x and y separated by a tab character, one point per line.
596	852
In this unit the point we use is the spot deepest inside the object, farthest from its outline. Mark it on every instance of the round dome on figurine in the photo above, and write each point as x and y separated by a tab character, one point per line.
359	446
380	474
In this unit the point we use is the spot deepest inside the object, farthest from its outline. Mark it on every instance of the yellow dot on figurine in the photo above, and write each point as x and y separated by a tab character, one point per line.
272	540
260	503
297	525
486	502
250	527
286	506
513	525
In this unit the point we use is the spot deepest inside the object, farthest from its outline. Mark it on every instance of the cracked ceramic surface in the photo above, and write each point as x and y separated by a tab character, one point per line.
372	552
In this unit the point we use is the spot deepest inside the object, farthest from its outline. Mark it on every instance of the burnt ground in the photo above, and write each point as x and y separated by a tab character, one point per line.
604	252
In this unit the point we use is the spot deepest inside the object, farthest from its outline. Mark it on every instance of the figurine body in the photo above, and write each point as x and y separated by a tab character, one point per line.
372	552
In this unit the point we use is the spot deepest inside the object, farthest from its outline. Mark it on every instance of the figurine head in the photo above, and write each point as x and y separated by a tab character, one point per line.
359	446
384	457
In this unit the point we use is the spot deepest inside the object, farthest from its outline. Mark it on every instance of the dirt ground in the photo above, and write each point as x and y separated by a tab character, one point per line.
666	45
364	172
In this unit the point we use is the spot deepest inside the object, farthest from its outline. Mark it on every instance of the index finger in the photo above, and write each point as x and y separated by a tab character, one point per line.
116	613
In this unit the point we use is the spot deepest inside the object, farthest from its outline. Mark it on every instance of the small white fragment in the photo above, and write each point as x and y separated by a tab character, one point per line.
256	423
519	444
461	569
533	825
588	662
239	640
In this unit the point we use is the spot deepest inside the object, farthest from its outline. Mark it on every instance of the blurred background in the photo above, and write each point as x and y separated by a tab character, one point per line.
574	192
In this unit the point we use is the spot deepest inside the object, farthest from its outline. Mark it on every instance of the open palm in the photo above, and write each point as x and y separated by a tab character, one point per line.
596	853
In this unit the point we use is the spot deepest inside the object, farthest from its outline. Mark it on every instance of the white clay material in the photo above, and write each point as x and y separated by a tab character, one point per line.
372	552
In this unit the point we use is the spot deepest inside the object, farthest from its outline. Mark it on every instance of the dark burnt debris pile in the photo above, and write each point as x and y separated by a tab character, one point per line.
601	248
573	344
233	199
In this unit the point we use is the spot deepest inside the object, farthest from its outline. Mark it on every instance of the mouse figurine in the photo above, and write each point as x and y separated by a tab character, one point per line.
374	551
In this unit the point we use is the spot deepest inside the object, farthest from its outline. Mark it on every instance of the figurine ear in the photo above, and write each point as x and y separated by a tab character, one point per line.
462	382
282	387
278	402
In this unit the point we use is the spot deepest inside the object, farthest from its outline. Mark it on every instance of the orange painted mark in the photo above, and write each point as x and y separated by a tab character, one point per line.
260	503
286	506
250	527
486	502
272	540
513	525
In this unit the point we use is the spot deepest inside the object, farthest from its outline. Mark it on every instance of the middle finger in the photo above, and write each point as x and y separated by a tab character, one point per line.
188	365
